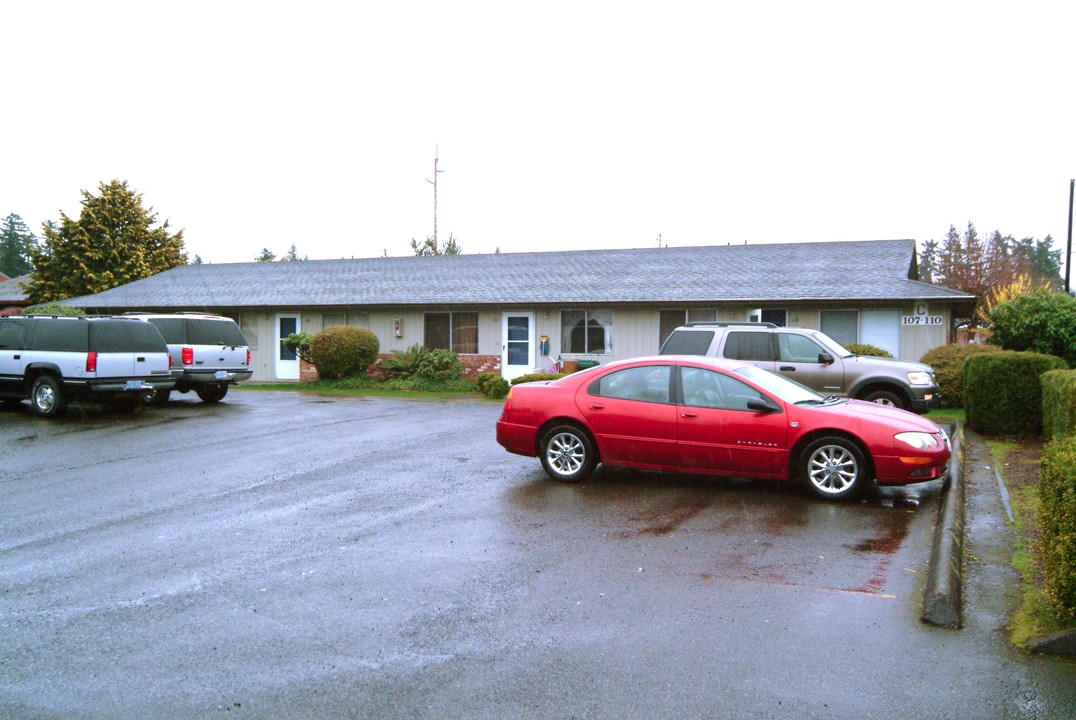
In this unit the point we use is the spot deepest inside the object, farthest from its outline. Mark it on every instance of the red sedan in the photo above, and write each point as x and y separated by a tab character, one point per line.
697	414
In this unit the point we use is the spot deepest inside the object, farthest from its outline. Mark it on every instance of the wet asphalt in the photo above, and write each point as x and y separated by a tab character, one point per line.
285	555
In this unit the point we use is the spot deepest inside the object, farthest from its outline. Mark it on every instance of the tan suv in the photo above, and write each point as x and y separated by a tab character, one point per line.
811	358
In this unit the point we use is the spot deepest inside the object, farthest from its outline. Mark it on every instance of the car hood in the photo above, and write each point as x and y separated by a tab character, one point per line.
891	363
899	420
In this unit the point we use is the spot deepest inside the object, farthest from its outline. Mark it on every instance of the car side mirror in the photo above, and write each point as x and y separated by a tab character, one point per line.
763	405
825	358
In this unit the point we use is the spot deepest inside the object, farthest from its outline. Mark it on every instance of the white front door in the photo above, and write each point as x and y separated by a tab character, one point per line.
287	363
517	349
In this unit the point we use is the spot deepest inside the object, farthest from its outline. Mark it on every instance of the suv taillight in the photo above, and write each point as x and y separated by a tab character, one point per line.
248	357
188	356
169	361
91	362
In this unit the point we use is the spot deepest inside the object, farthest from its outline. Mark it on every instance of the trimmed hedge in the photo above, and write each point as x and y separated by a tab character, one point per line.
1003	391
1057	492
343	350
1041	321
484	378
438	366
537	377
948	364
495	387
1059	404
864	349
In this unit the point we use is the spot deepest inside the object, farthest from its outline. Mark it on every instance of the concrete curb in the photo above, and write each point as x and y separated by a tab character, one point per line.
942	599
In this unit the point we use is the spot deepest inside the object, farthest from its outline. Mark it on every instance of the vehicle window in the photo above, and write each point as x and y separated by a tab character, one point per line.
110	337
788	390
710	389
61	336
688	342
797	348
649	383
751	346
144	338
11	333
215	332
171	329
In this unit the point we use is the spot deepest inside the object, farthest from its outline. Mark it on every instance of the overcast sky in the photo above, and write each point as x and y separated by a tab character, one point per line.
569	125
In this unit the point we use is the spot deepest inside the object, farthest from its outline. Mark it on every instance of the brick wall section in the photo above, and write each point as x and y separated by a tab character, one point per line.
472	366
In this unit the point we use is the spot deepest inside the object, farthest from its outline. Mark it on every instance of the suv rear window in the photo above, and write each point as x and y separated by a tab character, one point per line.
215	332
11	333
110	337
144	338
688	342
171	329
749	346
61	336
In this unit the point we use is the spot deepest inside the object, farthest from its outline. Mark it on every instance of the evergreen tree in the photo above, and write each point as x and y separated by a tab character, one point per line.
16	247
928	261
429	247
266	255
291	255
112	243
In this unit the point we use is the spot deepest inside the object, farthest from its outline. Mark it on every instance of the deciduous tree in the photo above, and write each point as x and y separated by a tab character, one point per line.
112	243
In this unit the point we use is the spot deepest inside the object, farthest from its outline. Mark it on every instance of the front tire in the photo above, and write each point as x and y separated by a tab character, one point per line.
834	468
568	454
47	397
213	393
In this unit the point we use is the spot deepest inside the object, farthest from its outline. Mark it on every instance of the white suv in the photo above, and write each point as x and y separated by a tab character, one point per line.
52	359
209	353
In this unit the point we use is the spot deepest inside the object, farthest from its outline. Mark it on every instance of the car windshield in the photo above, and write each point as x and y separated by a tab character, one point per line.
832	345
788	390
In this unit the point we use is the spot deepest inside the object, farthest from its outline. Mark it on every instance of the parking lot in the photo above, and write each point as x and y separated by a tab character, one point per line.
287	555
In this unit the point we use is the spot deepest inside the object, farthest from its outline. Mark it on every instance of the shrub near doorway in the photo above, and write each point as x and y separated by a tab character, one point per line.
343	350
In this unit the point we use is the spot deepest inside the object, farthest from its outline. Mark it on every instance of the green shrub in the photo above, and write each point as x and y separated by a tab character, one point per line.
484	378
298	343
1057	492
1040	321
343	350
537	377
404	363
420	384
53	308
1059	403
1003	391
495	387
439	365
864	349
948	364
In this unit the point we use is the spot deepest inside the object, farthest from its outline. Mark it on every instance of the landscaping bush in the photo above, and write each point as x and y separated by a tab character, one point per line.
298	343
1059	404
948	364
1040	321
486	377
439	366
537	377
495	387
421	384
864	349
53	308
342	350
404	363
1057	493
1003	391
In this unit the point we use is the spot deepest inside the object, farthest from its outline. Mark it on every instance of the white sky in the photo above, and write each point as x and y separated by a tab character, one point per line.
569	125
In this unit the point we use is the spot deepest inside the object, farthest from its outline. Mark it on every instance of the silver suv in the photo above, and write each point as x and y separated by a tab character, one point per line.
811	358
209	353
52	359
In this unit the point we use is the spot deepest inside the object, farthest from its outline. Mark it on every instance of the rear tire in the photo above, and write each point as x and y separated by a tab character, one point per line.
213	393
157	398
47	397
887	398
568	454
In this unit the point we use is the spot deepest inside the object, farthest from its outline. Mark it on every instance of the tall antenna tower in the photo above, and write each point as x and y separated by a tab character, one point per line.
434	183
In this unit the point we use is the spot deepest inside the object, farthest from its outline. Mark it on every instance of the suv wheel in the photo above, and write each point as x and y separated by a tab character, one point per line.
47	397
886	397
156	397
213	393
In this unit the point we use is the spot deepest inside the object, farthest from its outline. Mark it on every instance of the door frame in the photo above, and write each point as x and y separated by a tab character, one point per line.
278	363
532	358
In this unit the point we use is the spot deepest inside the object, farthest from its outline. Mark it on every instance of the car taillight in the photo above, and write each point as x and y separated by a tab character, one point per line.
91	362
248	356
188	356
169	361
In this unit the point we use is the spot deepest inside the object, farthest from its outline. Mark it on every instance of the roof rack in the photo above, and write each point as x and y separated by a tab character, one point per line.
744	323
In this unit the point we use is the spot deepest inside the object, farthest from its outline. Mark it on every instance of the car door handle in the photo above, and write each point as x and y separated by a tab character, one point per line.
140	359
17	357
597	407
689	415
787	368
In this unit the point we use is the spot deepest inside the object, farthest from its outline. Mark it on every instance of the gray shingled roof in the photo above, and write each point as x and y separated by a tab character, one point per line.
863	270
11	293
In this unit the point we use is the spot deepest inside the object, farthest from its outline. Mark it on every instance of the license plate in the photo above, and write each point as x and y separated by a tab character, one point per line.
134	384
221	375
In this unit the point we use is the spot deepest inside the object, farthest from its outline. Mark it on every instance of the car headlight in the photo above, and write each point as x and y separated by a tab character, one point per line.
920	378
918	440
